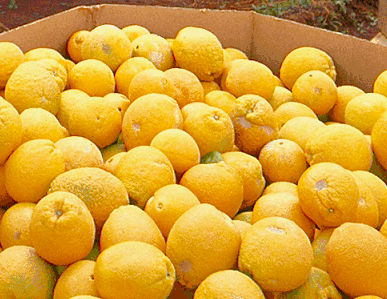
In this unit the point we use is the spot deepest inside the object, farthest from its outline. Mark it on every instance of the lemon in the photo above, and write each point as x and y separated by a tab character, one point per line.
303	59
154	48
11	130
280	95
133	31
380	84
243	76
107	43
93	77
58	71
68	99
220	99
74	45
199	51
11	56
33	86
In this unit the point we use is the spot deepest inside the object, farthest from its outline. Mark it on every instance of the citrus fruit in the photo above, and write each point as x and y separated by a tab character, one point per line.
299	128
79	152
118	101
280	95
380	84
11	130
318	244
285	254
127	70
15	225
283	204
68	99
93	77
76	279
95	119
74	44
32	86
228	284
187	86
24	274
281	187
244	216
179	147
56	69
317	90
154	48
198	50
363	111
356	259
11	57
328	194
241	77
290	110
235	53
378	140
209	86
39	53
133	31
130	223
101	191
210	127
38	123
303	59
220	99
250	170
143	170
147	116
62	229
282	160
341	144
133	270
107	43
345	93
254	123
218	184
168	204
111	163
202	241
31	168
150	81
5	199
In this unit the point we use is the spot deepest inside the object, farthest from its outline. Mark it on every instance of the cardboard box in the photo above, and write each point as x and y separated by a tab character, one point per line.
263	38
382	17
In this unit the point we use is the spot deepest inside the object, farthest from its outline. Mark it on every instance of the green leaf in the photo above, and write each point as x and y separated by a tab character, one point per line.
211	157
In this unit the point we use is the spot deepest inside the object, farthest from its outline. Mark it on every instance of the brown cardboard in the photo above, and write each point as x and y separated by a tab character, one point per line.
264	38
382	17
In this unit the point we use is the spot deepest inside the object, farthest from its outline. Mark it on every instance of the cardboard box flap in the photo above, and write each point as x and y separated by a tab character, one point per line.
357	61
52	31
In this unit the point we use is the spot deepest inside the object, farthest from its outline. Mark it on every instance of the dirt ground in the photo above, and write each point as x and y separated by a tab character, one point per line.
354	17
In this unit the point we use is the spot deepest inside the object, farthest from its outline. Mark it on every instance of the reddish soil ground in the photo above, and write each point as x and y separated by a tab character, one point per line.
356	17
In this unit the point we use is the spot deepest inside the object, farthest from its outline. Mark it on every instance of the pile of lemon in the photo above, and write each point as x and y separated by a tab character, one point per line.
141	166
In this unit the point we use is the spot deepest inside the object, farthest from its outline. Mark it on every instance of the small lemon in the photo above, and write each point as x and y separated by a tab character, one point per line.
289	110
380	84
11	56
58	71
280	95
68	99
220	99
133	31
74	45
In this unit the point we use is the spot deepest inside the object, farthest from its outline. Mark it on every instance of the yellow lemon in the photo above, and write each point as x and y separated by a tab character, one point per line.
289	110
220	99
187	86
79	152
56	69
74	44
378	140
179	147
276	187
328	194
380	84
235	53
345	93
280	95
107	43
202	241
303	59
11	130
210	127
11	56
285	254
68	99
33	86
317	90
31	168
143	170
168	204
154	48
254	123
119	101
250	170
38	123
199	51
341	144
41	53
93	77
299	128
363	111
95	119
133	31
147	116
282	160
127	70
209	86
243	76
